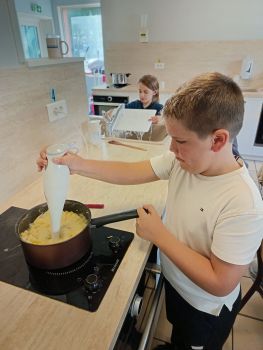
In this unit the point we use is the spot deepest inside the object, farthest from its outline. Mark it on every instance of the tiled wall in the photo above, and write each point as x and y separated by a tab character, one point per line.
24	125
183	60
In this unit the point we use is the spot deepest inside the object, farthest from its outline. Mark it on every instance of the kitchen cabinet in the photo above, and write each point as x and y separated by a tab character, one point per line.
246	137
29	320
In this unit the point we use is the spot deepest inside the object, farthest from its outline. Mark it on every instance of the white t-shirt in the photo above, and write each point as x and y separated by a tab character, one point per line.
222	214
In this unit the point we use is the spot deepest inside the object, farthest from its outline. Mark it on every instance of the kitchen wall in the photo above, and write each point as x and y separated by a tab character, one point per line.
11	47
24	6
24	125
190	37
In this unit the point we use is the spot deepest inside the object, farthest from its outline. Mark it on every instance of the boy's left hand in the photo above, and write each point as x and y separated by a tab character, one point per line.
149	223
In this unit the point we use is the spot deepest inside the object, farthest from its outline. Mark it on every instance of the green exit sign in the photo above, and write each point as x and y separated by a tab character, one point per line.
36	8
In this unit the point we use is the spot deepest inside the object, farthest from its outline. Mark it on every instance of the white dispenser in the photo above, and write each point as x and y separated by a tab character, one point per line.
56	183
246	68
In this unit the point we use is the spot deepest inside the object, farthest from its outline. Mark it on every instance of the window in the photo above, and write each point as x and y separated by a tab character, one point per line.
82	30
33	30
30	41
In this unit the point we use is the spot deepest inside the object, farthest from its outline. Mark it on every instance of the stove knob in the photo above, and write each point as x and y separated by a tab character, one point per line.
115	244
91	283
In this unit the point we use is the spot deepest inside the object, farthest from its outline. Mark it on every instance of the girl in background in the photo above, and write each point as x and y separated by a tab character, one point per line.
148	97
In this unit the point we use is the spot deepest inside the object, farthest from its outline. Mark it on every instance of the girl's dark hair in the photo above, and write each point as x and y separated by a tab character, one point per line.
151	83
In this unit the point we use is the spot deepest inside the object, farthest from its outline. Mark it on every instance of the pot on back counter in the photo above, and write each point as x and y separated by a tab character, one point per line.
119	79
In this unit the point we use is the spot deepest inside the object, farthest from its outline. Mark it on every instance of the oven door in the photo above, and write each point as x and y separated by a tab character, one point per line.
100	107
106	102
140	323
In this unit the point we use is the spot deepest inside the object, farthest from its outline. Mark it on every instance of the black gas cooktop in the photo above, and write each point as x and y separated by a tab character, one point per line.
82	284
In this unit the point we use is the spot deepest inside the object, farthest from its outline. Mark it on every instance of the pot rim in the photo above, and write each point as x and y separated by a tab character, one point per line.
68	201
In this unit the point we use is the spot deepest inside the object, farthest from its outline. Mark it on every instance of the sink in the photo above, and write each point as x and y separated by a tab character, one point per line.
156	135
250	90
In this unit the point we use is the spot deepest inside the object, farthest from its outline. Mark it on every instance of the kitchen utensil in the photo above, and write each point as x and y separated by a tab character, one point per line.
63	254
95	206
94	132
114	142
56	182
120	78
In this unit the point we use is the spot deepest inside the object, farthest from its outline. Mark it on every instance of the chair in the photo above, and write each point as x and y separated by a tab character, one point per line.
257	285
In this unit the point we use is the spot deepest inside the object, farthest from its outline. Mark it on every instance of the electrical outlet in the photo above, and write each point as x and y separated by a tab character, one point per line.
159	65
57	110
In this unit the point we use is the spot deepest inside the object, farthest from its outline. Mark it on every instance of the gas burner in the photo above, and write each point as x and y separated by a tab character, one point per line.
82	284
61	281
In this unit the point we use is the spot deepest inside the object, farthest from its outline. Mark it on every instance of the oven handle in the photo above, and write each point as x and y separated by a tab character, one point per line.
154	312
116	104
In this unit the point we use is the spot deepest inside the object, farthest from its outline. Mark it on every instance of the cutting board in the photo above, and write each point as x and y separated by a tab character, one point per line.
136	120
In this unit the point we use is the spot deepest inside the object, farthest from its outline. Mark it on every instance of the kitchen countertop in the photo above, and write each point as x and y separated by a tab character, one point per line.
105	88
32	321
133	88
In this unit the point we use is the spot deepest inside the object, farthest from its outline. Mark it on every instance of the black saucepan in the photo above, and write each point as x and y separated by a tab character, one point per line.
63	254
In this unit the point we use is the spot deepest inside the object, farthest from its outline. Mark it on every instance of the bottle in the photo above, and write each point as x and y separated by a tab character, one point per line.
56	183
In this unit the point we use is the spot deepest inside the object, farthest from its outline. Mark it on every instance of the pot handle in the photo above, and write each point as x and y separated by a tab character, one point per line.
108	219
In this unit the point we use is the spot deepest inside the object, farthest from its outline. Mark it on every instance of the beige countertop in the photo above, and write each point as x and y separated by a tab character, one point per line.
31	321
133	88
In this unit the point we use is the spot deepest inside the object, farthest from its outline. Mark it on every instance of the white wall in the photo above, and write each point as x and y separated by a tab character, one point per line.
183	20
25	7
8	52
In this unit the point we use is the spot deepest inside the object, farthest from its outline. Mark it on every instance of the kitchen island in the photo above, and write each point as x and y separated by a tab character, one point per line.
32	321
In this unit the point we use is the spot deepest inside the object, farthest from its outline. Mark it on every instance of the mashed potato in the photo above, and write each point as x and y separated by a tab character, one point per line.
39	232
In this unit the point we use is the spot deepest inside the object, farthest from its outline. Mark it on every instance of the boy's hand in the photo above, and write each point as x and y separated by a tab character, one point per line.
70	159
42	160
149	224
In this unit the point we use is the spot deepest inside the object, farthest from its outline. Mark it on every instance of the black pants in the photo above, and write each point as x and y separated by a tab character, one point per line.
194	329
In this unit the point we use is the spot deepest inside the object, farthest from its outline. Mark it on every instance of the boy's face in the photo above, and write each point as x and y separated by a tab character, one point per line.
194	154
145	94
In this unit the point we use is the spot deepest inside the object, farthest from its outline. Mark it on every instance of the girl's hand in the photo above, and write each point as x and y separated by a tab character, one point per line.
149	223
154	119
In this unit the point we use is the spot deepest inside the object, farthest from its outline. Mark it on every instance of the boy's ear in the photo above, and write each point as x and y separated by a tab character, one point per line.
220	138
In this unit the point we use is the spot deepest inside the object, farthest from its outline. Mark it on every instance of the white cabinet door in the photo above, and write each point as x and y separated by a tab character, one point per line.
246	137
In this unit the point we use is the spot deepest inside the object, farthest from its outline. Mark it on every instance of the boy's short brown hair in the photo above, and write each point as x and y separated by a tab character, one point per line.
206	103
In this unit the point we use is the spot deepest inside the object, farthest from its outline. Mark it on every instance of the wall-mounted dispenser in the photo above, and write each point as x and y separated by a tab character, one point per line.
144	33
246	68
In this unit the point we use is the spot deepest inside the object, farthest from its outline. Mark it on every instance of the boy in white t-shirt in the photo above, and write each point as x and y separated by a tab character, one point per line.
213	221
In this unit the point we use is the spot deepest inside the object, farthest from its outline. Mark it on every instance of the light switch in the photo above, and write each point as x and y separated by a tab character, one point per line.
144	36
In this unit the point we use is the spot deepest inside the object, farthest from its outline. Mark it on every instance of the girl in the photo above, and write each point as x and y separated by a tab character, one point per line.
148	96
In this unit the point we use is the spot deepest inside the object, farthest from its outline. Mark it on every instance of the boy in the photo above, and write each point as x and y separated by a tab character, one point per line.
213	220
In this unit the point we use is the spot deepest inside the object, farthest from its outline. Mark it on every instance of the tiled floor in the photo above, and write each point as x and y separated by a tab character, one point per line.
248	327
